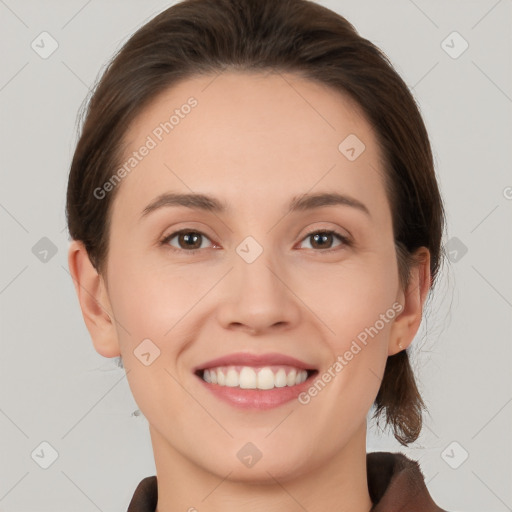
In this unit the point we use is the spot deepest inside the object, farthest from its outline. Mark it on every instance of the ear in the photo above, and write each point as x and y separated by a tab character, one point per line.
407	323
94	302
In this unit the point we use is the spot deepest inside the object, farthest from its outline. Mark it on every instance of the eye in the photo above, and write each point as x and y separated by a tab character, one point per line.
322	239
187	240
191	241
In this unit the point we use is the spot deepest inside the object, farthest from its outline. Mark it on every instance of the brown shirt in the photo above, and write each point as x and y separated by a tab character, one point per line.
395	484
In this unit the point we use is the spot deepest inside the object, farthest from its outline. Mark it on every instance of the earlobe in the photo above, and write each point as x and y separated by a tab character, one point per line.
94	302
407	323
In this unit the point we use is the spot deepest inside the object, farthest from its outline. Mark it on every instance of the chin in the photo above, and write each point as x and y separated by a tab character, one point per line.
264	471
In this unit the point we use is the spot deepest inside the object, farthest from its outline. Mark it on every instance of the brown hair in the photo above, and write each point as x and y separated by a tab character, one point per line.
197	37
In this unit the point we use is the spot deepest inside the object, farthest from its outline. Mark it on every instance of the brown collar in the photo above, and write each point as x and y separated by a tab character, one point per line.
395	484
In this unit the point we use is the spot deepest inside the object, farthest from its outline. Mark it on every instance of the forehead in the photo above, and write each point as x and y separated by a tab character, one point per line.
247	135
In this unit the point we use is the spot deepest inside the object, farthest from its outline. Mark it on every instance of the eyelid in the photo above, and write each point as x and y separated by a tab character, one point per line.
337	230
345	239
165	240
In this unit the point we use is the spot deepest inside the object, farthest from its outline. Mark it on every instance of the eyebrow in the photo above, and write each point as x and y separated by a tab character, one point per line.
211	204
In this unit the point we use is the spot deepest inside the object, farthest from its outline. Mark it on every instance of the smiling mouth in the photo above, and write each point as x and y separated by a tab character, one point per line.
250	377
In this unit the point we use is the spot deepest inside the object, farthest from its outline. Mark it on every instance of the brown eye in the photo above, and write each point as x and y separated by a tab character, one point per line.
189	241
323	239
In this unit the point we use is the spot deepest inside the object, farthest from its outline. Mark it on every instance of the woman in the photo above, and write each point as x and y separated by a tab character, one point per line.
256	226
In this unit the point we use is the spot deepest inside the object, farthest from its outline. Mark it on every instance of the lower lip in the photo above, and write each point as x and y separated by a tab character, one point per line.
257	398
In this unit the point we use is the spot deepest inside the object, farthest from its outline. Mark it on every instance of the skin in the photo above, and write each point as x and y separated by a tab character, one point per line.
254	141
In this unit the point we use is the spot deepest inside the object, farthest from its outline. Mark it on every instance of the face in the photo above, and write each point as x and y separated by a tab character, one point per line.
273	288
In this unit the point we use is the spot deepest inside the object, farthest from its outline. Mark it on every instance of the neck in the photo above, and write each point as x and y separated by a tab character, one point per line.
339	484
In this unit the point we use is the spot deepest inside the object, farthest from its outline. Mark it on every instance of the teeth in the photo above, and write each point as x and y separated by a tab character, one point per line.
248	378
232	378
280	378
251	378
265	379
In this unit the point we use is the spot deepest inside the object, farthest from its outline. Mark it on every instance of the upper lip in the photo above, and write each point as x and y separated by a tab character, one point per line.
246	359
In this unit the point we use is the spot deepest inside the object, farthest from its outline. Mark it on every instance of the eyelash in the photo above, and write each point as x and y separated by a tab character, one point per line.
165	241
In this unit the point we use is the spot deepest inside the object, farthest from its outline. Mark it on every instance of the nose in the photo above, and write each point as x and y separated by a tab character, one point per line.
258	296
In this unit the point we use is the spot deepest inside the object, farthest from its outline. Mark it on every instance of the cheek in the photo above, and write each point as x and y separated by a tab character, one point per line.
355	297
147	301
151	306
150	298
358	306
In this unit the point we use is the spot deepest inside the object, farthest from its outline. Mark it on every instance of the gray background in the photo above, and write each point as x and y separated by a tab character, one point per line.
54	387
